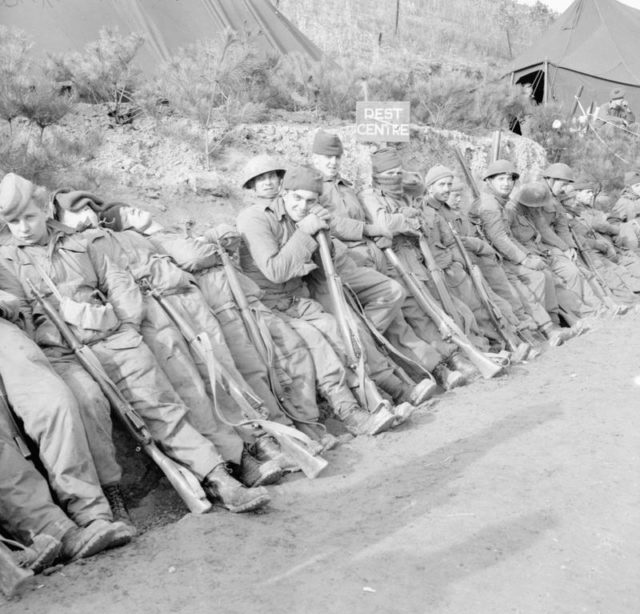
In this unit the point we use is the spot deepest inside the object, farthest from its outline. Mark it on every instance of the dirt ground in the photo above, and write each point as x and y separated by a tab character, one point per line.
515	495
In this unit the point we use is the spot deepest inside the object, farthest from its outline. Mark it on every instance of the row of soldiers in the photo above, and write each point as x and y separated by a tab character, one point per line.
219	345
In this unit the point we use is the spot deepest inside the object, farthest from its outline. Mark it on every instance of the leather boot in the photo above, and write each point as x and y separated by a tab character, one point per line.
360	422
256	473
448	379
114	496
220	487
422	391
464	365
80	543
266	448
42	553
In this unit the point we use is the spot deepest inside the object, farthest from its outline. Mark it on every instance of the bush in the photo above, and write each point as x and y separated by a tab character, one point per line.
104	71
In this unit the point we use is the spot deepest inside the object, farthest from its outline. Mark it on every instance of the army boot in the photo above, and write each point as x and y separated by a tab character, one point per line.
360	422
266	448
99	535
42	553
422	391
114	496
220	487
448	378
465	366
256	473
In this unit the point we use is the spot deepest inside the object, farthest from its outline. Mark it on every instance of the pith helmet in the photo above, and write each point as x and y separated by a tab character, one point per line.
258	166
501	167
559	170
534	194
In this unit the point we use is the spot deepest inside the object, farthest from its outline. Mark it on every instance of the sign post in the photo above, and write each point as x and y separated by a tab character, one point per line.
382	121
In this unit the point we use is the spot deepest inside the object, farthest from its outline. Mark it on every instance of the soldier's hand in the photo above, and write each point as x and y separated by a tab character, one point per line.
571	254
321	212
312	224
375	230
534	262
601	245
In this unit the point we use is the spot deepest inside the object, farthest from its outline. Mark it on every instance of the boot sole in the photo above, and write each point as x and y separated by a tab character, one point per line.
99	542
379	422
272	477
46	556
258	502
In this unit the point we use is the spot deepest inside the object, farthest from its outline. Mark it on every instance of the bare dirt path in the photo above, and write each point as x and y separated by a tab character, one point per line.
519	495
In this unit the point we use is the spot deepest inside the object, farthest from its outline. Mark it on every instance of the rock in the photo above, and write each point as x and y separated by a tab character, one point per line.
209	184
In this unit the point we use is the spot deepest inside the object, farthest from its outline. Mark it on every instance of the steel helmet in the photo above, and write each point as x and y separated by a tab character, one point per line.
560	171
259	165
534	194
501	167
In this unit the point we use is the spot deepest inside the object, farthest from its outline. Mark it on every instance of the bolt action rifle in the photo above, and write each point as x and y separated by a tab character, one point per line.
504	329
449	330
437	276
368	395
182	480
293	443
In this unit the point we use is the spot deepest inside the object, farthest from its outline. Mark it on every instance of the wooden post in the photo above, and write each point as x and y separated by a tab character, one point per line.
546	82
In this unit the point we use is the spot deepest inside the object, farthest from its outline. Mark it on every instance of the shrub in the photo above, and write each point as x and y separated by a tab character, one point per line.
104	71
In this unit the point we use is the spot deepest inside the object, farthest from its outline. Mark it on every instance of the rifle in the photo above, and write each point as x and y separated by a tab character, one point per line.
368	395
13	578
14	430
447	327
495	145
260	338
466	172
600	286
502	327
292	442
438	280
182	480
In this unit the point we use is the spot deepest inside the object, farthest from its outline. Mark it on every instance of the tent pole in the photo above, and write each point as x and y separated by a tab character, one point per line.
546	82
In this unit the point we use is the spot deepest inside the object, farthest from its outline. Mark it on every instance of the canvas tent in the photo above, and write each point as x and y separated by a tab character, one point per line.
594	44
65	25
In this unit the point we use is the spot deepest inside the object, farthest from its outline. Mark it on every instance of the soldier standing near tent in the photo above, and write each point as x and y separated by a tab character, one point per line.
617	110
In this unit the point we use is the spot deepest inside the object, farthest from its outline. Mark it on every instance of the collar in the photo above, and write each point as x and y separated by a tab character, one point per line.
276	205
434	203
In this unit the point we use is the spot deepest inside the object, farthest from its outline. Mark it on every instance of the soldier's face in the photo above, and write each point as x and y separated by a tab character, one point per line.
267	185
502	184
79	220
135	218
298	203
560	186
584	197
441	189
329	166
30	226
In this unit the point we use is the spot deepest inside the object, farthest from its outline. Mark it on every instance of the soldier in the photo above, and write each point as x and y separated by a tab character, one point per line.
617	110
386	205
438	182
624	213
104	306
348	224
575	296
278	251
50	417
505	225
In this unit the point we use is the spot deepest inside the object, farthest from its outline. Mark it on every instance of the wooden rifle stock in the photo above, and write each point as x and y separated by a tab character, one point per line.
502	327
368	395
466	172
437	276
447	327
13	578
182	480
292	442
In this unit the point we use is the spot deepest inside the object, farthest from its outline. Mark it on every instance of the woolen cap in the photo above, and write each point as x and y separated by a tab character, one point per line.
436	173
385	159
303	178
327	144
111	216
76	200
15	194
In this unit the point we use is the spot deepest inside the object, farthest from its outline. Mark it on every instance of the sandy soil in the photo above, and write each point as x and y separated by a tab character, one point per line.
516	495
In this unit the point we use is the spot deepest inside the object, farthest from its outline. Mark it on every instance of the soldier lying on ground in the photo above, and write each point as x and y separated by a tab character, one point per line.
104	306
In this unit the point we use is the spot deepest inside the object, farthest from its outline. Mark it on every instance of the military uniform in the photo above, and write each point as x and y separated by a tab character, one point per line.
505	226
108	315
